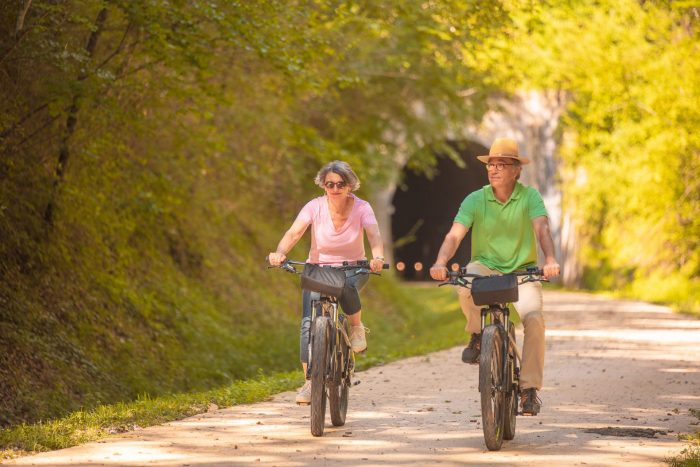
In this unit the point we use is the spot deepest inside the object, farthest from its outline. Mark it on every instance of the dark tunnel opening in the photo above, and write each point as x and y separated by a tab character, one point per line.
424	210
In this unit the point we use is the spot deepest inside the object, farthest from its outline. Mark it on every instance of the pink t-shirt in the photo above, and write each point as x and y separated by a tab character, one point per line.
331	246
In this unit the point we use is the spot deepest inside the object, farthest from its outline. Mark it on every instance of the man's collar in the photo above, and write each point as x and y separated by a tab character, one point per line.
515	195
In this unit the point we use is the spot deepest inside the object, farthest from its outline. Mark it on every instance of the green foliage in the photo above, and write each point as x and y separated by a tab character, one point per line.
172	143
631	152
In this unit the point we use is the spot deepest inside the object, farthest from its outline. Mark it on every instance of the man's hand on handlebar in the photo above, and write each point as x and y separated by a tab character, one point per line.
551	269
438	272
276	259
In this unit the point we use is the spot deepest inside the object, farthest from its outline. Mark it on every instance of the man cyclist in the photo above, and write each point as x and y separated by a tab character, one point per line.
507	219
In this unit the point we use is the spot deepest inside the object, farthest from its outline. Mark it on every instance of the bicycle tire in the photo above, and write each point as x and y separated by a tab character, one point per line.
492	399
319	362
511	402
339	389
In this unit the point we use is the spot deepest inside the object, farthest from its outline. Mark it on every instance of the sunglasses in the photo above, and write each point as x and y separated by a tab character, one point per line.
332	185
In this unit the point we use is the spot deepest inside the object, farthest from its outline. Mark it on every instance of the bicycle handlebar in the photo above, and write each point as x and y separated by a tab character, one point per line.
361	266
533	274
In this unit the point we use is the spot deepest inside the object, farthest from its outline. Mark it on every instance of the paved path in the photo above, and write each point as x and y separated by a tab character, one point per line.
609	364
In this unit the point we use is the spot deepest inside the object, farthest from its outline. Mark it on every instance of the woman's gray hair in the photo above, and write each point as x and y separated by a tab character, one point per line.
341	168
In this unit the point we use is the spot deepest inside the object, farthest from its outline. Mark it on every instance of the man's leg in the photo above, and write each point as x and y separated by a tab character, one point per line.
529	307
472	313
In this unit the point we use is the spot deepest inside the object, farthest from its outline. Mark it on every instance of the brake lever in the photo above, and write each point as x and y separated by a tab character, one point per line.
454	281
367	271
534	279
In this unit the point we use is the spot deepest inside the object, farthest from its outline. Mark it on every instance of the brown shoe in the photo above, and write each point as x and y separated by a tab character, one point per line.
530	402
471	352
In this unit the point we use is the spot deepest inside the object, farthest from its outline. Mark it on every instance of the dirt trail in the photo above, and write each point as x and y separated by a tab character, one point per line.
615	367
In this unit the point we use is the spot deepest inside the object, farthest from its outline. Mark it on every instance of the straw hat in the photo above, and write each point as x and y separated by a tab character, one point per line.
504	147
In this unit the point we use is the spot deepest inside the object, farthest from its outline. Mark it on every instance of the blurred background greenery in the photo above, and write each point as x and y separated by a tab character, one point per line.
152	153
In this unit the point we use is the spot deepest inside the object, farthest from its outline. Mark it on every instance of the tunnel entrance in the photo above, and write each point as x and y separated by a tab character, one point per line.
425	208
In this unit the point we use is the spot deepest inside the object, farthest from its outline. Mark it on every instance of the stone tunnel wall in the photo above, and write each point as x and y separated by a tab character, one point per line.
532	119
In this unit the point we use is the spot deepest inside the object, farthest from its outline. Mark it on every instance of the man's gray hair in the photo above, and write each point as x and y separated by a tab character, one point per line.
341	168
517	164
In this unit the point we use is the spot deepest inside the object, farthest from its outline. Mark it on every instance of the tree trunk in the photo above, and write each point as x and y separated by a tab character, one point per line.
72	120
21	16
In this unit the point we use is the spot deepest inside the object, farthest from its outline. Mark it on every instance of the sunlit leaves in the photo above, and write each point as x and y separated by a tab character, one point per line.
631	154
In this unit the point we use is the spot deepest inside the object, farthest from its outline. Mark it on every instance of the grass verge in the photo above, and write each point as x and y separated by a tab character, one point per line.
690	455
84	426
406	319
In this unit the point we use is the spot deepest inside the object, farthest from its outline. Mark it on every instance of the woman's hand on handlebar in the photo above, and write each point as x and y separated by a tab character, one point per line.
276	259
438	272
376	265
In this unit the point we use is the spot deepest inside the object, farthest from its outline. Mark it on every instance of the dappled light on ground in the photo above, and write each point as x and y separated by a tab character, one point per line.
612	367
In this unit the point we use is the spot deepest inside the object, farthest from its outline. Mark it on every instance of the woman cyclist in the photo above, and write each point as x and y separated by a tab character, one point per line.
337	220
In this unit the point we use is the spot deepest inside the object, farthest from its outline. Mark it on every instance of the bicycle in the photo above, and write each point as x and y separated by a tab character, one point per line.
331	362
498	376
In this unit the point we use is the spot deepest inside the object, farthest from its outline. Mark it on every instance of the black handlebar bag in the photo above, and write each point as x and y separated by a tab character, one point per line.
495	289
326	281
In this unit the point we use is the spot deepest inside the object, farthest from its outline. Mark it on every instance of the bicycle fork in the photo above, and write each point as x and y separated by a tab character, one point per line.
500	317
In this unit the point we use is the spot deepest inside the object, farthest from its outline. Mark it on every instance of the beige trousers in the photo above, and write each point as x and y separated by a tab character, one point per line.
529	308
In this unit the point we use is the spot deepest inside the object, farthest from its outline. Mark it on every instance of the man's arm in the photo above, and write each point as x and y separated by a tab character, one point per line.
544	237
448	249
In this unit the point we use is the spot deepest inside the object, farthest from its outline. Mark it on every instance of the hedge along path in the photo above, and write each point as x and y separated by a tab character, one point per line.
615	372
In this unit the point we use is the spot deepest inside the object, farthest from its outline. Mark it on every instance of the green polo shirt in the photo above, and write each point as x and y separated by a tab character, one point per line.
503	237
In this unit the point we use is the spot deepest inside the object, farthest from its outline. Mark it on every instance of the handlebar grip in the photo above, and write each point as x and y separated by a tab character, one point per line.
386	266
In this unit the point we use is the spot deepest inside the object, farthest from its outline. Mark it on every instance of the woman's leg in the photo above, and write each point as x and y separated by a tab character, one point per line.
350	303
304	394
306	298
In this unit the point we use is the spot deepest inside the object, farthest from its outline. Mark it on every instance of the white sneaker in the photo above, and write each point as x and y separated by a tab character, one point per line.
357	339
304	394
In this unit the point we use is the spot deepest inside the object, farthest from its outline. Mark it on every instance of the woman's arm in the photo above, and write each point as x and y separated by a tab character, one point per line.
377	246
290	238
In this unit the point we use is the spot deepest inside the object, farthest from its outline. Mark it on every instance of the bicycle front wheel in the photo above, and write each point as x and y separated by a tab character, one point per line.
339	388
511	405
320	334
490	384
